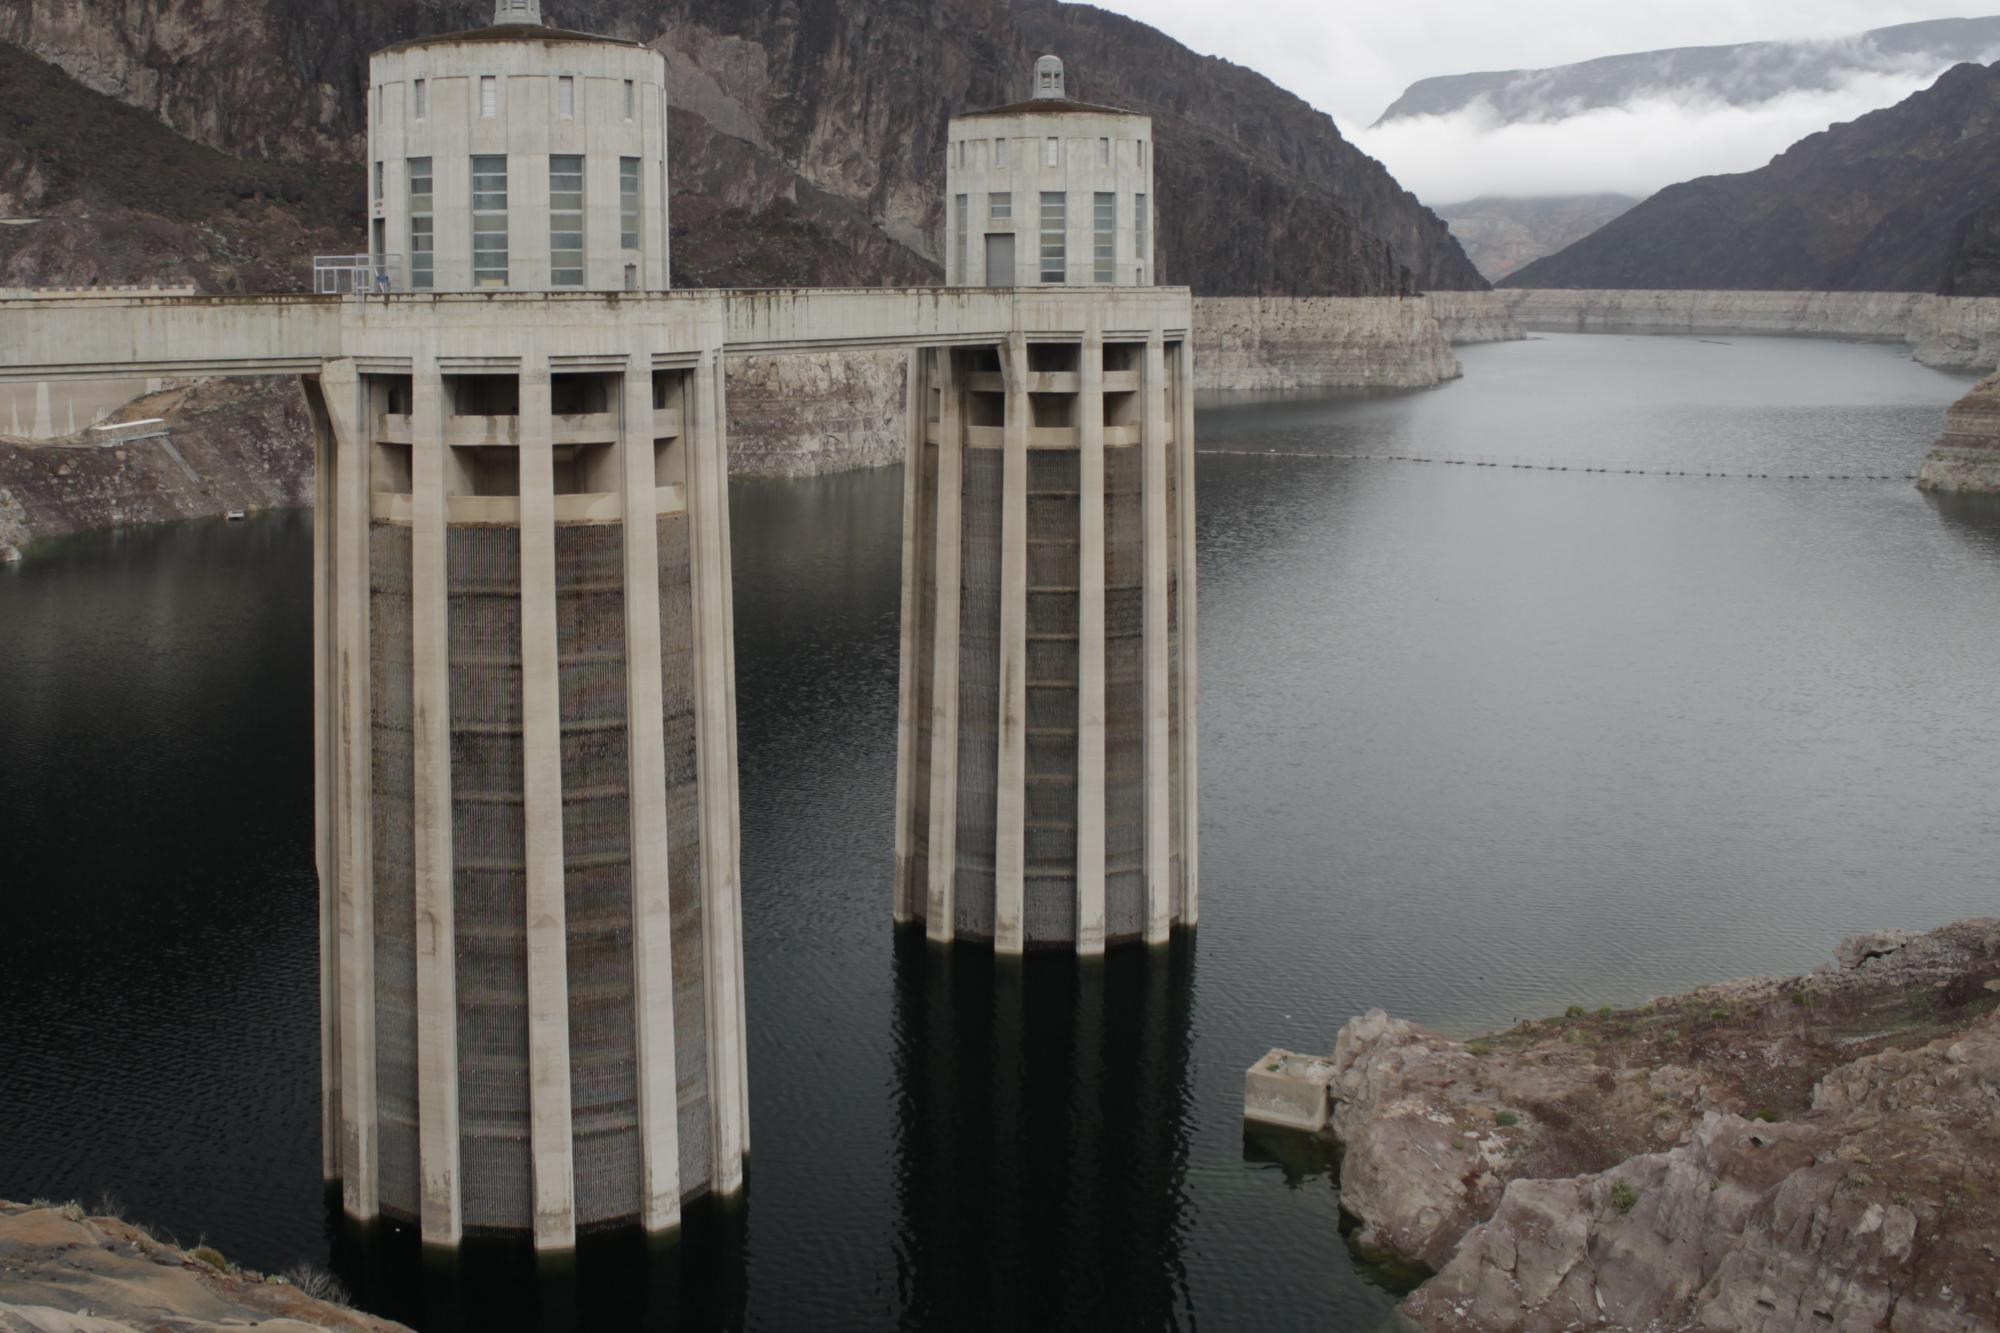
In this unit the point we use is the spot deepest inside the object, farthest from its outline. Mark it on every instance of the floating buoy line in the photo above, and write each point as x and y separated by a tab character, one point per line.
1711	474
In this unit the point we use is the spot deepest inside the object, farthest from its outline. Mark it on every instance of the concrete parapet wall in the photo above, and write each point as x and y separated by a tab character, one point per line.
1312	342
1948	332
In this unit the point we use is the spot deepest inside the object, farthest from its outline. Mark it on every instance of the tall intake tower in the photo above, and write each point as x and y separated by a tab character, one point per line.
1046	793
532	1008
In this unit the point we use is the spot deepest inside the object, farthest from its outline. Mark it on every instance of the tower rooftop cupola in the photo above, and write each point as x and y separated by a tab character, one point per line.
507	12
1049	78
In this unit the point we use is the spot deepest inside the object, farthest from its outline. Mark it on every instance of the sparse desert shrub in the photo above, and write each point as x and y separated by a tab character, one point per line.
73	1211
209	1255
1623	1197
1506	1120
317	1283
1576	1011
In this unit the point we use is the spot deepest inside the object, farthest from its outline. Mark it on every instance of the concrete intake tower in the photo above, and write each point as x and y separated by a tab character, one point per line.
531	959
1046	784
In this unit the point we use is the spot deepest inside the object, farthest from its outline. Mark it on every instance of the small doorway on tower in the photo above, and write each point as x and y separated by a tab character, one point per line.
1000	259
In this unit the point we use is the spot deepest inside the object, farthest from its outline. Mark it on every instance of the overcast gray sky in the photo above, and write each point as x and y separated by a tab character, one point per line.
1352	59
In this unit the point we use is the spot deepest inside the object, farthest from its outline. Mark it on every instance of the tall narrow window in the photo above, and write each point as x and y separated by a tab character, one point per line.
421	95
999	154
961	206
566	97
1055	214
1052	152
1000	206
1142	152
381	179
1105	254
489	95
565	220
1140	216
628	202
422	245
631	100
1104	152
489	221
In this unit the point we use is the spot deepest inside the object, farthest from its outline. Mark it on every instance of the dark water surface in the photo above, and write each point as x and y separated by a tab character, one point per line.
1476	743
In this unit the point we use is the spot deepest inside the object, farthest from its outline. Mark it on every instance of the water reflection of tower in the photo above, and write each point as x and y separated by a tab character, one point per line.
1042	1137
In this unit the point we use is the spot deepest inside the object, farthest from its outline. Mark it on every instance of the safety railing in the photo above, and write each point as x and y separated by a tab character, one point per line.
358	275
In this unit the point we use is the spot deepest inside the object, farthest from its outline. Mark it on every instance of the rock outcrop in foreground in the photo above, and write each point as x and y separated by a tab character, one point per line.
64	1272
1817	1152
1967	458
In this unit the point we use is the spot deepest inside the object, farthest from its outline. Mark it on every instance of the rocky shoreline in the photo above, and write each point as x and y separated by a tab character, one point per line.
1966	459
1770	1154
1945	332
65	1271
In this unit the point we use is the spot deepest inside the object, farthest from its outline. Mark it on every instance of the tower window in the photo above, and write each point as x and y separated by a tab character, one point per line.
380	181
566	97
1104	152
1000	206
489	221
1055	212
489	95
565	220
1105	252
628	202
631	100
1052	152
420	95
422	240
960	206
1142	152
1140	216
1000	154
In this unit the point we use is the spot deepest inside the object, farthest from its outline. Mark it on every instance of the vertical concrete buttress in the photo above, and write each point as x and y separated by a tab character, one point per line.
541	737
916	409
345	398
1090	715
940	908
1154	442
327	825
440	1200
652	911
1190	730
1010	804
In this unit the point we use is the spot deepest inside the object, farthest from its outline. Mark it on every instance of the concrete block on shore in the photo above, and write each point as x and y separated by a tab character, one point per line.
1289	1090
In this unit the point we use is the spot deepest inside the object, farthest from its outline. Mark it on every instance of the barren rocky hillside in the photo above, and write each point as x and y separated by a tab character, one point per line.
820	122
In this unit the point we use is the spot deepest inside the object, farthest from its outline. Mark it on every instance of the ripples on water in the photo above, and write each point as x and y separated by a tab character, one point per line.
1477	743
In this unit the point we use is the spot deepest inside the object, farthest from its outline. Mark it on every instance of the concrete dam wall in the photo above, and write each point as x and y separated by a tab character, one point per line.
1948	332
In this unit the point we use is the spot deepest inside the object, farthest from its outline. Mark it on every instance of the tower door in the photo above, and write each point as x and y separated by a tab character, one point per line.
1000	259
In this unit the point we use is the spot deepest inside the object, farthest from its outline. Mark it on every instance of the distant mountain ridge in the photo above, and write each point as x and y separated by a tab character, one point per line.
808	135
1902	199
1744	74
1502	235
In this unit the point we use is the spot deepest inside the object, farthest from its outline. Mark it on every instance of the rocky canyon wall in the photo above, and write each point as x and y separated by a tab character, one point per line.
1948	332
1474	317
1967	458
1275	342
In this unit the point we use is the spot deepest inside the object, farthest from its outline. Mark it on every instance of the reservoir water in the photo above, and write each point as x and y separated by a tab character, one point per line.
1477	743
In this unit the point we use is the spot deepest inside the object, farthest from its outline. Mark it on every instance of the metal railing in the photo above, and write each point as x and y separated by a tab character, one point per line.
358	275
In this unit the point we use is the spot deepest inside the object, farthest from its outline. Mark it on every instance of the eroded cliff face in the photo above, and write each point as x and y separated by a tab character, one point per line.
1966	459
821	121
1275	342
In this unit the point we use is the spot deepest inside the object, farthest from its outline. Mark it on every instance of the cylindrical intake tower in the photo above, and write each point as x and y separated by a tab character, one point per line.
518	157
1049	192
531	960
1047	776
